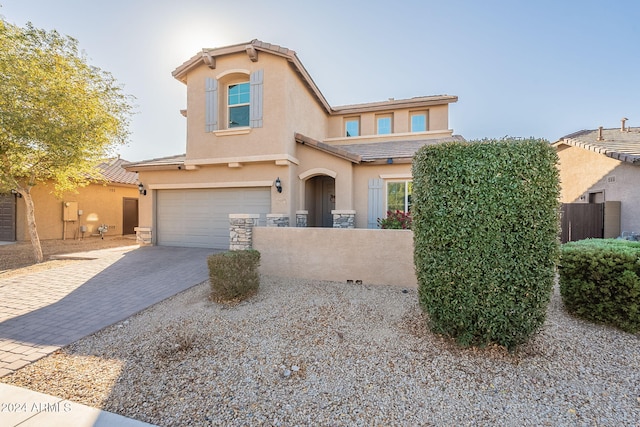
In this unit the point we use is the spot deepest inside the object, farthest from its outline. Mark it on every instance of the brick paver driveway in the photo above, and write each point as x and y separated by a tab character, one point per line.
46	310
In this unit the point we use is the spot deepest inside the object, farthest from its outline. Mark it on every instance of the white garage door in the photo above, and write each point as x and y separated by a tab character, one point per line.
200	218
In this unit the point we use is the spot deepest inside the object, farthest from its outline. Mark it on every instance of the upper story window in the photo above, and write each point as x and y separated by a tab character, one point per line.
418	121
352	126
234	100
384	124
238	104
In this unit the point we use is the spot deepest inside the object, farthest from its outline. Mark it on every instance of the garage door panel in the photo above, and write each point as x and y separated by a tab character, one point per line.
200	218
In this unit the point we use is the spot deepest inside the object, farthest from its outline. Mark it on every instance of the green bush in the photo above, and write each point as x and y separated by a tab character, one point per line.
233	275
599	281
486	223
397	220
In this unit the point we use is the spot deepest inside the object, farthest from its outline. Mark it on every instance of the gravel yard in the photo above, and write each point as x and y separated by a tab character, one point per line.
322	353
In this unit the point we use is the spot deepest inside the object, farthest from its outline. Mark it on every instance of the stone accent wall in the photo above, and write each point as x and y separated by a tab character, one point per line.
277	220
143	236
302	218
344	218
241	231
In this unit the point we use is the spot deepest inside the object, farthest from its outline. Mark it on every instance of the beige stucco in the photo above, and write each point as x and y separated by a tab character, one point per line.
583	172
100	204
383	257
256	156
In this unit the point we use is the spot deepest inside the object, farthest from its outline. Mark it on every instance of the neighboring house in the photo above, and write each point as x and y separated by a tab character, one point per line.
602	167
113	203
262	139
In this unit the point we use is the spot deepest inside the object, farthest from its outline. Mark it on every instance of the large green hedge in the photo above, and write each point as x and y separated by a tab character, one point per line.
600	281
485	221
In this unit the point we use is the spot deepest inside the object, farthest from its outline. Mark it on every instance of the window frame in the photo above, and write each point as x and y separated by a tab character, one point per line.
348	120
387	116
408	191
423	113
229	106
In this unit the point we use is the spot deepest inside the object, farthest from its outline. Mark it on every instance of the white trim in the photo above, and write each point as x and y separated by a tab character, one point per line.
242	159
241	130
317	171
351	139
396	176
200	185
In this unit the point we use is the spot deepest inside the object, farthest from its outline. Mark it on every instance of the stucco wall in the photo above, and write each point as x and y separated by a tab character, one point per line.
100	204
583	172
287	108
373	256
438	121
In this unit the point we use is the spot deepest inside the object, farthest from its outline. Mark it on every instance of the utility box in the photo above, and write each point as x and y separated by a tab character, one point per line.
69	211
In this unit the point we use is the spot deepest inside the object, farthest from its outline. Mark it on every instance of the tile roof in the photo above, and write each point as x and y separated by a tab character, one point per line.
394	149
177	160
617	144
113	171
375	151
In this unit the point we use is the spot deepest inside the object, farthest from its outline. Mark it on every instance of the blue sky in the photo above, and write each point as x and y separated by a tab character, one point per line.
519	67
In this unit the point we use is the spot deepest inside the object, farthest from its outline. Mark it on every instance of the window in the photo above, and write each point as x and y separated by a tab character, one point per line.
352	127
238	103
399	196
419	121
384	124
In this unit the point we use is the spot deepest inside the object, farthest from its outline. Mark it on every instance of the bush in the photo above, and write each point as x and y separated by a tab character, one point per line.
233	275
486	223
397	220
599	281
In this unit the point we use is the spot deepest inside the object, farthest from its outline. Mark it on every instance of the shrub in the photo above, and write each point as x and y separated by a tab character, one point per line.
599	281
485	223
233	275
397	220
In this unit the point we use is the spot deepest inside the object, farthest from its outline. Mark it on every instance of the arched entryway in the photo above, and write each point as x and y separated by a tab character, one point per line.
320	200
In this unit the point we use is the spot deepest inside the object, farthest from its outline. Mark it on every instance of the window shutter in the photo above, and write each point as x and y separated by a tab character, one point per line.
255	108
376	202
211	107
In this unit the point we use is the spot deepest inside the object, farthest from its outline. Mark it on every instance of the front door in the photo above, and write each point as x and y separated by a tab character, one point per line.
321	201
129	215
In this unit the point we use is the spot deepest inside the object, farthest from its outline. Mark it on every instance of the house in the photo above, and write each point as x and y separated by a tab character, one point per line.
601	168
262	139
113	203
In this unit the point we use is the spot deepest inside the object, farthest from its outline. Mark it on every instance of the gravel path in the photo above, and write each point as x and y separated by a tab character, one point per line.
322	353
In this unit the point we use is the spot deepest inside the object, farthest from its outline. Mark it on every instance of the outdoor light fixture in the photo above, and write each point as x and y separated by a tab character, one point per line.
141	189
15	193
278	185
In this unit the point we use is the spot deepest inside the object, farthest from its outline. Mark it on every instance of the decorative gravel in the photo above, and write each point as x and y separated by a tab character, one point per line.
323	353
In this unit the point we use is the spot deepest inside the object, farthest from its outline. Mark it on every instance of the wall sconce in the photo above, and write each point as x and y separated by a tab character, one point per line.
278	185
15	193
142	190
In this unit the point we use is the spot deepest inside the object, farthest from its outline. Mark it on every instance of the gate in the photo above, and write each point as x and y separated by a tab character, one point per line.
582	221
7	217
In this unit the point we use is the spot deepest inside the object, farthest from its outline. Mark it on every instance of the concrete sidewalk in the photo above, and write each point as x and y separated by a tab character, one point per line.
43	311
26	408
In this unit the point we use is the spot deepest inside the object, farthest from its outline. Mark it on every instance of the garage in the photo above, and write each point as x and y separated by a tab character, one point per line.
200	217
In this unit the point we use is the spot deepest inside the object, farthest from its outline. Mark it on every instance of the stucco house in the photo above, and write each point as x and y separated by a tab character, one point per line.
602	167
113	203
262	139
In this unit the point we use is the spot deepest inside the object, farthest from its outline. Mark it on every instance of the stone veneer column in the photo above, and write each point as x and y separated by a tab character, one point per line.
302	218
277	220
143	236
344	218
241	231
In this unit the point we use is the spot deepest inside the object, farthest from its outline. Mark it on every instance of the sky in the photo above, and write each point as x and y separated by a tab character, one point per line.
543	68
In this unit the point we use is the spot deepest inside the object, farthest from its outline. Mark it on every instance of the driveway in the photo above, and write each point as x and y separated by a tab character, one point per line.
43	311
